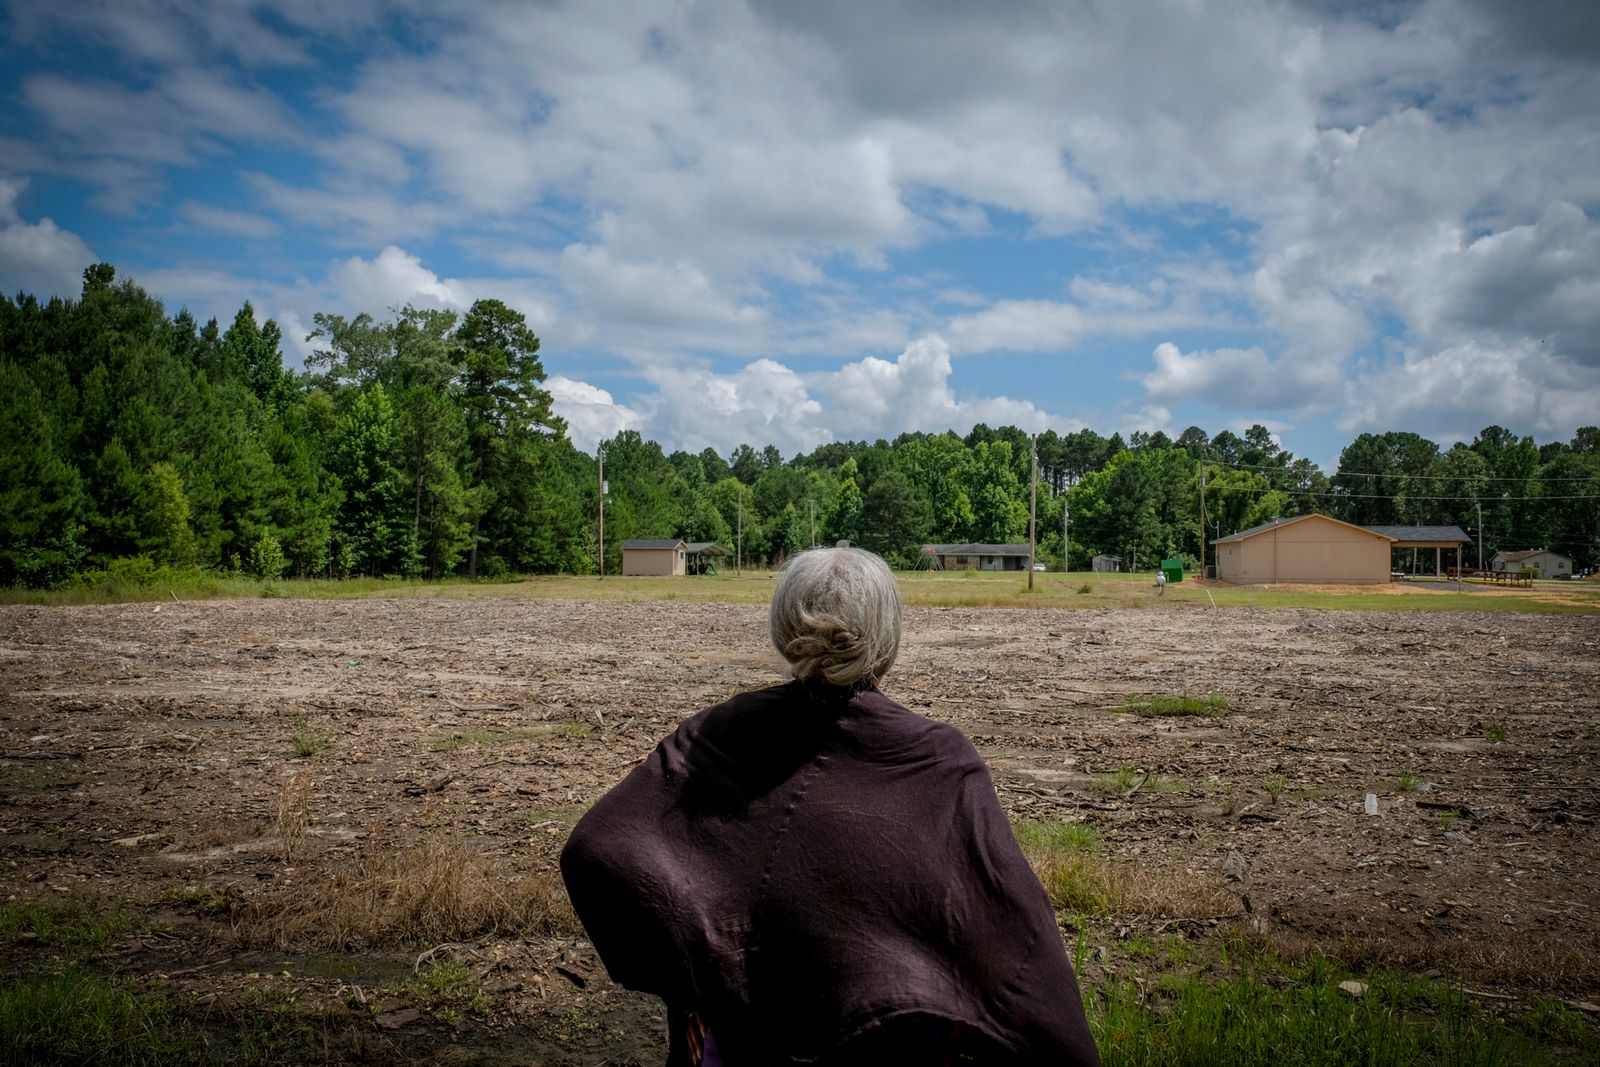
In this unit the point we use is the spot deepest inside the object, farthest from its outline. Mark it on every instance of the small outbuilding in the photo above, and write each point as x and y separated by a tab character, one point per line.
1105	564
660	558
978	557
1543	562
703	556
1306	548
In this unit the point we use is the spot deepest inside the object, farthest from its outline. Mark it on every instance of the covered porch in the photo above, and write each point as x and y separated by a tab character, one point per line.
1416	540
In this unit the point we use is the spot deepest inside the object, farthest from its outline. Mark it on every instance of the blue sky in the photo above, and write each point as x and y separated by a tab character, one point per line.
766	222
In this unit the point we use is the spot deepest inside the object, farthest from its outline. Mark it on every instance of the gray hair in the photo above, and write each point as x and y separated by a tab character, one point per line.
836	616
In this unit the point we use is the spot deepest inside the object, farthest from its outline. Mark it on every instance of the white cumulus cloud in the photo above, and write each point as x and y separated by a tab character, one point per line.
1019	325
37	257
1238	377
391	280
768	402
592	415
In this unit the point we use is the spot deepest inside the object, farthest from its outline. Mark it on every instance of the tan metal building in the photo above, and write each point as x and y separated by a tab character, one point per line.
1307	548
659	558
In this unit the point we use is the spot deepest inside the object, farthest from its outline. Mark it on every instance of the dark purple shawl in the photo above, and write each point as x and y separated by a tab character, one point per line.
806	866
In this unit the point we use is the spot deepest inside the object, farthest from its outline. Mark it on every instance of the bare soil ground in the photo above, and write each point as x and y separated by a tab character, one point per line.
147	757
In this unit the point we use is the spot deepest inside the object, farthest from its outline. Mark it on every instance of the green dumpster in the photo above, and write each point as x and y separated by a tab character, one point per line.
1173	569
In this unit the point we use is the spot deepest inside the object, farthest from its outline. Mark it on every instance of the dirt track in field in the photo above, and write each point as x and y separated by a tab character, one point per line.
143	751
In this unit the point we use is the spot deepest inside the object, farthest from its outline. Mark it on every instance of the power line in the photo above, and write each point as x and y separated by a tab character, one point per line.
1400	474
1334	492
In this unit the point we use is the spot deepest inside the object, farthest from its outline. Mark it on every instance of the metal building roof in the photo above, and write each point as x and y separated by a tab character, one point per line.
975	550
1242	534
1422	533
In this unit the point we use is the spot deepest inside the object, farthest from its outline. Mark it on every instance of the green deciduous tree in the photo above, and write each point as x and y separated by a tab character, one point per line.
163	507
894	519
844	521
374	521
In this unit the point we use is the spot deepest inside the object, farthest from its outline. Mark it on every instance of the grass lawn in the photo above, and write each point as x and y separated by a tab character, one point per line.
920	588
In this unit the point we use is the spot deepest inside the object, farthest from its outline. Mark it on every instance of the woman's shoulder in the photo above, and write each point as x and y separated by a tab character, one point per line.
895	723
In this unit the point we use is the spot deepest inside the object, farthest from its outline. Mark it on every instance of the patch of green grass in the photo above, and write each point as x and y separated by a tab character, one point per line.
1490	600
1140	947
1497	733
1165	704
1551	1020
1274	785
73	1015
307	742
1119	781
1230	1000
1086	588
1125	778
203	898
1408	782
576	1025
1448	817
1035	836
448	988
69	923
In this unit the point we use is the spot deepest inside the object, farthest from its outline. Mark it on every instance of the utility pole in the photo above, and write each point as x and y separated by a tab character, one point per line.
1033	504
812	504
738	545
1202	519
601	452
1066	534
1480	533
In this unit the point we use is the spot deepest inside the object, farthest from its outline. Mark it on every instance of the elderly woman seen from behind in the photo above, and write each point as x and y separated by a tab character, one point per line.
811	873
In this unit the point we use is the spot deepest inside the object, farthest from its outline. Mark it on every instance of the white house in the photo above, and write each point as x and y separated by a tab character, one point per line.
1545	563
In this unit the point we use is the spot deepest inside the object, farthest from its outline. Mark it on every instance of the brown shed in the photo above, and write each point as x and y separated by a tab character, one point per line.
1307	548
661	558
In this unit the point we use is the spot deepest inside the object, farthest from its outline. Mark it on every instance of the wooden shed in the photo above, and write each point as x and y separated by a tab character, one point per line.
1545	563
979	557
660	558
1307	548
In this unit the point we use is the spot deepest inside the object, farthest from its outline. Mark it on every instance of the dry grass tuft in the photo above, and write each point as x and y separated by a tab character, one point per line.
291	811
1177	895
439	891
1079	878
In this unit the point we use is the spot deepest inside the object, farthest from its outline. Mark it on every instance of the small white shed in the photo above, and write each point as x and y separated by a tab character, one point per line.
661	558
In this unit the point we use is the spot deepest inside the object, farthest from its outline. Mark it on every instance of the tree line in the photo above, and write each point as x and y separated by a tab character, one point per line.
424	445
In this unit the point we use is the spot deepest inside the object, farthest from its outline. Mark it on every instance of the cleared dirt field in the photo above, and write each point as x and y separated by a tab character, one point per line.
296	801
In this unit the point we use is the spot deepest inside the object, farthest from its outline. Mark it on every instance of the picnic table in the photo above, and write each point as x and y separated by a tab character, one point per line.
1504	577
